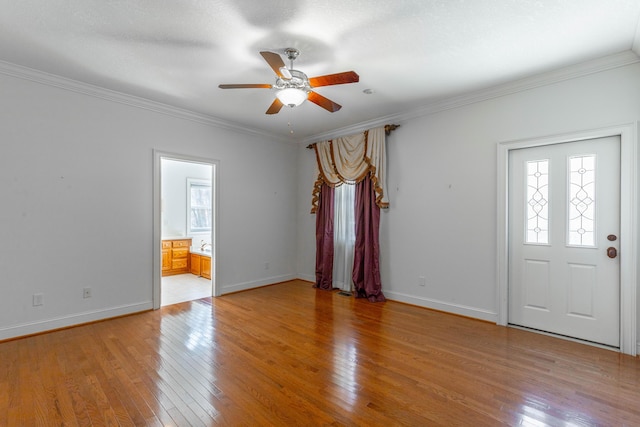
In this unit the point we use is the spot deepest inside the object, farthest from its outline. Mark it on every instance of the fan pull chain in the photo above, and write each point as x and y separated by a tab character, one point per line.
289	125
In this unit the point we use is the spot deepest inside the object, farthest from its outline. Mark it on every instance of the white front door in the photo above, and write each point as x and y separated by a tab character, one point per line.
564	225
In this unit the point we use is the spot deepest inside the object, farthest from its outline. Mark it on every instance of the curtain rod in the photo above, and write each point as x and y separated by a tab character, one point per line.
387	129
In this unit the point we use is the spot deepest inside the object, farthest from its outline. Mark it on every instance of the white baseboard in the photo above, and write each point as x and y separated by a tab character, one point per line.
461	310
30	328
227	289
307	277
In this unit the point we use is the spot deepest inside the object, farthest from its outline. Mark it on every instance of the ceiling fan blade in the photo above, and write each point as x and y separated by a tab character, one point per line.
275	62
323	102
246	86
334	79
275	107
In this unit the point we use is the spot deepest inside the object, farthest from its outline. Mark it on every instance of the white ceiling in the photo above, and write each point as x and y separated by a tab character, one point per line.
410	53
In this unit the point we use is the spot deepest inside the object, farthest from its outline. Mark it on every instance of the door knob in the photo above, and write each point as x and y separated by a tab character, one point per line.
612	252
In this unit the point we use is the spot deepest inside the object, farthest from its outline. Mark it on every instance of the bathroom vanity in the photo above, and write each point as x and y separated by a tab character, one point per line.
175	256
201	262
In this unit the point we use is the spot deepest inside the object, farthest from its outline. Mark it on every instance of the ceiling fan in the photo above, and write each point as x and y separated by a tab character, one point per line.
293	86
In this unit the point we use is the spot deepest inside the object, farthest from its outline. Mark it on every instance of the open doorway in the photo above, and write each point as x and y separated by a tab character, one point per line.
184	228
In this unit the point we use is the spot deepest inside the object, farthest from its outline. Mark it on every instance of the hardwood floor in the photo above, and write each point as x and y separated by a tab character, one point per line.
290	355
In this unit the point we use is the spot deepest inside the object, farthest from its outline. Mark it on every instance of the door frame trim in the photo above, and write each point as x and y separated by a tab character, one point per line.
628	222
158	155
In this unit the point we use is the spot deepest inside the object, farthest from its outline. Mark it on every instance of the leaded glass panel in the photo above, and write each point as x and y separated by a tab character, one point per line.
537	209
582	201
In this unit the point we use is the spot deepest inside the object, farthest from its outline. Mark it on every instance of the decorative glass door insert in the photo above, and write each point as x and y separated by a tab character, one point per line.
581	209
537	209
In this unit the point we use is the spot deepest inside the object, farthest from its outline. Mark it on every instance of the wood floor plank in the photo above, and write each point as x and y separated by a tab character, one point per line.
147	384
58	402
289	355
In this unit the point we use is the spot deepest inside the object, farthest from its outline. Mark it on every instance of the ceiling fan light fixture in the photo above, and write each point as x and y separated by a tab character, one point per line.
291	96
293	87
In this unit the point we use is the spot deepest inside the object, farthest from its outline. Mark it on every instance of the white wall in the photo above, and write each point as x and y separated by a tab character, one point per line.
76	185
442	182
76	188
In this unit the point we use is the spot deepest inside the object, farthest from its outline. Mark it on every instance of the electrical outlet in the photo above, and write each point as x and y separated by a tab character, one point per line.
38	299
422	281
266	265
86	293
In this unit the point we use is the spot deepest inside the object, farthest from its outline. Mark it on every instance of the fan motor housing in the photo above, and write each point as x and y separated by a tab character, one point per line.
298	80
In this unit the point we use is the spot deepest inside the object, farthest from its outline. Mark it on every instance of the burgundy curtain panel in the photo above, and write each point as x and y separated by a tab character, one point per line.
324	239
366	256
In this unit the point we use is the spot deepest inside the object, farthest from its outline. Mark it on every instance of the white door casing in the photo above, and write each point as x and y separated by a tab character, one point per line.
158	155
627	242
564	200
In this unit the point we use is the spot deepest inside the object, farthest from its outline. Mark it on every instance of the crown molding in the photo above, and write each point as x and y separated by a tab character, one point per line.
635	46
562	74
579	70
48	79
347	130
567	73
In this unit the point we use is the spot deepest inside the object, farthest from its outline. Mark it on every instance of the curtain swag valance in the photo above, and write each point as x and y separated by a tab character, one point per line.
348	160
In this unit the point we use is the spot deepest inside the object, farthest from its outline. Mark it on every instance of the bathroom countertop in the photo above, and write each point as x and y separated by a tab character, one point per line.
197	250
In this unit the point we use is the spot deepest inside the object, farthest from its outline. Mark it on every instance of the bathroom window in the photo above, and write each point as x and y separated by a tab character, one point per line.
198	206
